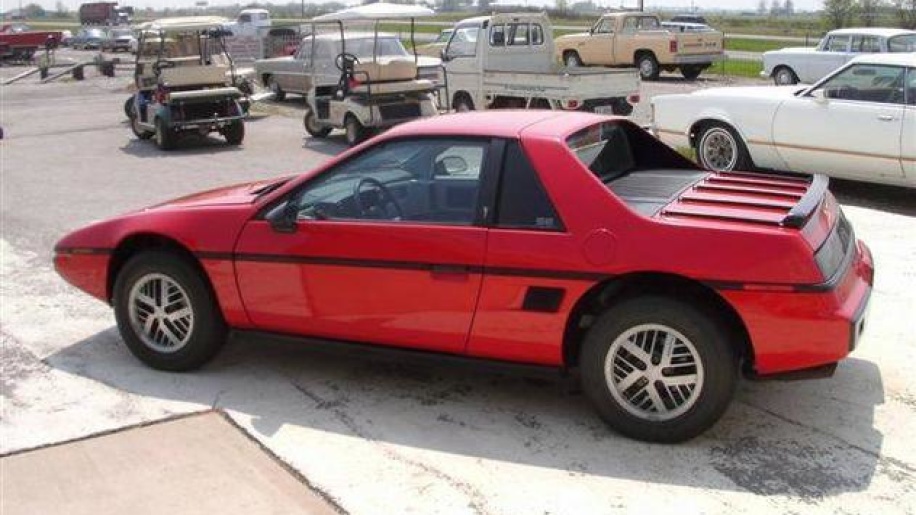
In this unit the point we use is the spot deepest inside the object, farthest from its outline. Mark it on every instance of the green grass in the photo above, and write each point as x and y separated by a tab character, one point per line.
757	45
736	68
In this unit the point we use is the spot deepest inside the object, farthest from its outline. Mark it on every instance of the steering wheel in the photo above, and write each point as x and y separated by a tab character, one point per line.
385	197
345	61
160	64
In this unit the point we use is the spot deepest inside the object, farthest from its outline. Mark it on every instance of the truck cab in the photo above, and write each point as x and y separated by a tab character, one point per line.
508	61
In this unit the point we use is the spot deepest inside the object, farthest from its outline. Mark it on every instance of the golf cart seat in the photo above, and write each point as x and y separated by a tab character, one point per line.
384	77
193	75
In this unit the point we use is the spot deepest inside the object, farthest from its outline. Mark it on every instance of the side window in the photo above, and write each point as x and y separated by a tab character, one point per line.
905	43
463	43
866	44
631	24
911	86
537	34
518	34
523	203
867	83
432	181
837	44
304	53
498	35
245	18
603	27
648	23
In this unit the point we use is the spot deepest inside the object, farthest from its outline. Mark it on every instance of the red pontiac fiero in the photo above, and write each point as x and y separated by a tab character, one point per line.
566	240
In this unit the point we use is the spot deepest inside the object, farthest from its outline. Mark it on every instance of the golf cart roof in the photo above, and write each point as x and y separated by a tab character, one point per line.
185	23
350	35
376	11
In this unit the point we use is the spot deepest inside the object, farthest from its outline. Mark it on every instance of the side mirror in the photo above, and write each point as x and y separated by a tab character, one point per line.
283	218
819	96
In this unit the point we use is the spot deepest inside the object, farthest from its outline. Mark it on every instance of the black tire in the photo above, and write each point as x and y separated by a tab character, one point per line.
707	353
129	107
201	338
312	127
355	132
274	86
235	132
462	103
622	107
692	71
138	131
720	148
784	76
648	66
571	58
165	138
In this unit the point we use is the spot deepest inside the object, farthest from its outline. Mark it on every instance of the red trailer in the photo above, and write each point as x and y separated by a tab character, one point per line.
104	13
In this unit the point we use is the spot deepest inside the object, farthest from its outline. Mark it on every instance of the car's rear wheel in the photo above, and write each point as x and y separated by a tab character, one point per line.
275	88
784	76
235	132
658	369
166	312
648	66
139	131
312	127
720	148
355	132
571	58
165	138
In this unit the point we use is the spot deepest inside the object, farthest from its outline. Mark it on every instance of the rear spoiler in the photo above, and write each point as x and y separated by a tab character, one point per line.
802	211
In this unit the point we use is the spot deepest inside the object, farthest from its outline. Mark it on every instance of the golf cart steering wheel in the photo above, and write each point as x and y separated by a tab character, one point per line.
345	61
381	201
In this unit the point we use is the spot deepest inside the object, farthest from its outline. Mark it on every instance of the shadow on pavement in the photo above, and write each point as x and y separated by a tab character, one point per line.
892	199
186	145
807	439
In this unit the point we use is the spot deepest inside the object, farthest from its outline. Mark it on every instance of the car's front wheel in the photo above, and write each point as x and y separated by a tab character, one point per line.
166	312
721	149
571	59
658	369
648	67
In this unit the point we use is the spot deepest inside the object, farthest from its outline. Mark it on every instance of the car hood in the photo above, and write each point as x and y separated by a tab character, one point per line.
237	194
751	92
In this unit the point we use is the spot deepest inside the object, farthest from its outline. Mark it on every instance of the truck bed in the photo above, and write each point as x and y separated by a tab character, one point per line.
558	82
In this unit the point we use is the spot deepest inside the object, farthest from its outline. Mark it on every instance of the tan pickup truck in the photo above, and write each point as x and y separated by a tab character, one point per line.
638	39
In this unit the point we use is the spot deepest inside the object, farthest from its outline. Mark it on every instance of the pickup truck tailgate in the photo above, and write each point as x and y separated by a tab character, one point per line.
699	43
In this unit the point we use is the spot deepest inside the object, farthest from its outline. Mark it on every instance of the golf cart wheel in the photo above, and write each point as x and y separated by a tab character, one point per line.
235	132
129	107
312	127
356	133
165	138
139	131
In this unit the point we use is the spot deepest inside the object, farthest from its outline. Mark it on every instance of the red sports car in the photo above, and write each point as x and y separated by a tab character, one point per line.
565	240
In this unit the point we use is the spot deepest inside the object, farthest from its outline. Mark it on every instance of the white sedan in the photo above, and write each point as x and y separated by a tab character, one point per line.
857	123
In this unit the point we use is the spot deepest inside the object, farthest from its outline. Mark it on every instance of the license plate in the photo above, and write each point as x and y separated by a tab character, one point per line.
604	109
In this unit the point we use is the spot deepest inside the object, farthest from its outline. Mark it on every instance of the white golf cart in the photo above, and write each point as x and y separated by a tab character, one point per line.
185	82
361	80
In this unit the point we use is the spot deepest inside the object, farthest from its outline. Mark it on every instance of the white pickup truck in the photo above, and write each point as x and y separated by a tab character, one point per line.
508	61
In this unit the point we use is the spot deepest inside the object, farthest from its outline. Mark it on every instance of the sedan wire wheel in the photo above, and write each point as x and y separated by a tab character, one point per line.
160	313
719	150
654	372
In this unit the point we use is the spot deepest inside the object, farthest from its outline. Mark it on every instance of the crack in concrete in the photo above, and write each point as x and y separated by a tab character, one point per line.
476	500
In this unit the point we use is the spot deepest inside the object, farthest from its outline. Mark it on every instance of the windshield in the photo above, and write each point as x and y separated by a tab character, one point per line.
120	33
363	47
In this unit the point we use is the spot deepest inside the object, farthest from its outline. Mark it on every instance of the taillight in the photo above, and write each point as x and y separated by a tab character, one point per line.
572	104
633	99
672	46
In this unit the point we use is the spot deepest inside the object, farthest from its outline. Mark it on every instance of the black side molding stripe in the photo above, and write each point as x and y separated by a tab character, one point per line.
405	265
85	251
569	275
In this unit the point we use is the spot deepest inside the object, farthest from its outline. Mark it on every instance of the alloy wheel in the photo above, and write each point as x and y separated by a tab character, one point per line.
160	313
654	372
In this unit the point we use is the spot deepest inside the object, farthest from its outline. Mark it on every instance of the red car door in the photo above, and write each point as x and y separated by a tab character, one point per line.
384	248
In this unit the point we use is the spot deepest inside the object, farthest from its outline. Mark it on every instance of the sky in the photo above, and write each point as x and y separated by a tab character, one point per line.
751	5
